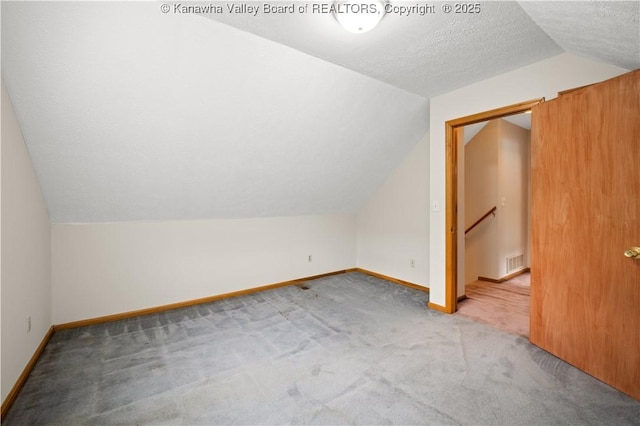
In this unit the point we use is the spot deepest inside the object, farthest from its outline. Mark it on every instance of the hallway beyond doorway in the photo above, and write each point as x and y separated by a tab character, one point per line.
504	306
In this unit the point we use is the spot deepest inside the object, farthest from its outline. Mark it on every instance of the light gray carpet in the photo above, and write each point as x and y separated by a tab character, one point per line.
351	349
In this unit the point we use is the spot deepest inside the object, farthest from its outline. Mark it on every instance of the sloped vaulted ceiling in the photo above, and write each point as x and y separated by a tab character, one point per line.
131	114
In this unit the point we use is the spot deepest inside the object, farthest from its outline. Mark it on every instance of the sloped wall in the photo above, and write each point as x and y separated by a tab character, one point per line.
26	253
178	117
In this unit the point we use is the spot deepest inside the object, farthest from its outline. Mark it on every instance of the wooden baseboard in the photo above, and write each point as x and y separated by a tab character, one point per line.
162	308
490	280
393	280
437	307
11	397
506	277
461	298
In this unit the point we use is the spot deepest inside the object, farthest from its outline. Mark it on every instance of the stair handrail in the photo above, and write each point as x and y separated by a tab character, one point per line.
477	222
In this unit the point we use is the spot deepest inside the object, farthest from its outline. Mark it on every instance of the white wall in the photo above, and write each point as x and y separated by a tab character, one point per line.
542	79
393	224
109	268
26	253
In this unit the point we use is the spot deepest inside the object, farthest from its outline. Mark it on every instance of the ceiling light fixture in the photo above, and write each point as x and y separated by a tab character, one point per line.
359	16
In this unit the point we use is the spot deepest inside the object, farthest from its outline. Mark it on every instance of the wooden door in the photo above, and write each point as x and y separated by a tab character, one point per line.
585	294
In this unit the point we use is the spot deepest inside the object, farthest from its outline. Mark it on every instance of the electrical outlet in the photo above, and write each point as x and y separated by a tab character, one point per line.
310	259
412	263
28	323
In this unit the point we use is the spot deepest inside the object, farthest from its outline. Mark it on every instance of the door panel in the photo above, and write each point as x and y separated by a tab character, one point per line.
585	294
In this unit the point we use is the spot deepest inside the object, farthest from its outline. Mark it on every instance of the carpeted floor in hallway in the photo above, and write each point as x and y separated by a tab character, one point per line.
352	349
504	306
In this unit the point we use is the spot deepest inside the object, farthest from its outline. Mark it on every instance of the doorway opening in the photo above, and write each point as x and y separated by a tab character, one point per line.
494	206
454	229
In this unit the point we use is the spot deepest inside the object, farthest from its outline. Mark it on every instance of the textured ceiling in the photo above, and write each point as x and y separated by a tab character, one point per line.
608	31
134	114
428	55
437	52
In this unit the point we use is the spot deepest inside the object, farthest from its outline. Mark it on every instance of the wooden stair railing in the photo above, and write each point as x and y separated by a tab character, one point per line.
477	222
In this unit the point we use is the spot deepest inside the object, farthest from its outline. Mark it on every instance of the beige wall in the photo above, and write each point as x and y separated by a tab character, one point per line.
26	253
496	174
392	225
541	79
513	189
109	268
481	171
